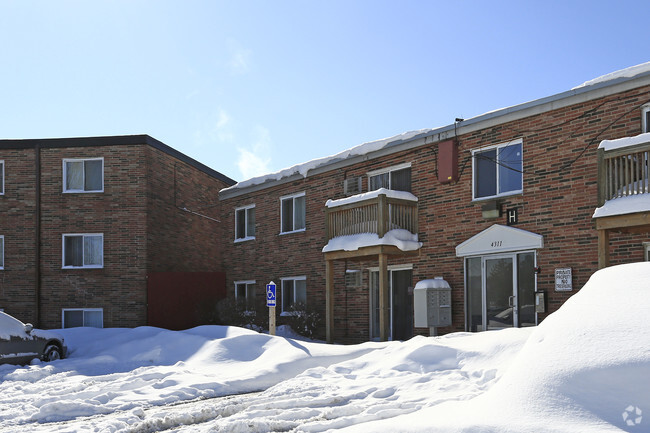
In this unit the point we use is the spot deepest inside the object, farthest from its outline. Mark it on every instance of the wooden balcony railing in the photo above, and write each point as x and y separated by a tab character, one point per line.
623	172
378	215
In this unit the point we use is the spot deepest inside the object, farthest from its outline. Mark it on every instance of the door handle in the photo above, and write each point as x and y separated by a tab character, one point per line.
511	301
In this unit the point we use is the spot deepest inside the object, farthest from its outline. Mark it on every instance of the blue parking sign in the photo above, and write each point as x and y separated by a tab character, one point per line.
270	294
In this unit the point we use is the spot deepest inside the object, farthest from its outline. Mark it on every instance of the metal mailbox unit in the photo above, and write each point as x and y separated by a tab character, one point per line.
432	304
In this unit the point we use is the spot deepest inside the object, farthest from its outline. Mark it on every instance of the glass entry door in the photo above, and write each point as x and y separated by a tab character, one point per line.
400	306
500	291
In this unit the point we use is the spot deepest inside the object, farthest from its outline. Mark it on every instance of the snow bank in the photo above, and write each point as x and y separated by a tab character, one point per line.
623	73
402	239
624	205
304	168
580	370
402	195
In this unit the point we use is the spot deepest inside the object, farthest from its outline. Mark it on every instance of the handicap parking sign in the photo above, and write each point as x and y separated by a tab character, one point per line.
270	294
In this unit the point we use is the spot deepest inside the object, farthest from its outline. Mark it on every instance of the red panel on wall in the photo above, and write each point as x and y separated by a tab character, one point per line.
447	161
182	300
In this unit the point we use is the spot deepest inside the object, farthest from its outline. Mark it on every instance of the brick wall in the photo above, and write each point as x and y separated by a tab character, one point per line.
559	197
17	225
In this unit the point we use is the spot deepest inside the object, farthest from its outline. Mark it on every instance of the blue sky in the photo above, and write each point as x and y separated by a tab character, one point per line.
251	87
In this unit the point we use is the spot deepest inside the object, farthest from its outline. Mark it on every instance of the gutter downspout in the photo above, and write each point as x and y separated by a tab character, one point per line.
37	224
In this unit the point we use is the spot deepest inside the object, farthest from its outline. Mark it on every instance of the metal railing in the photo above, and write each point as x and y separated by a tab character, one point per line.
623	172
374	215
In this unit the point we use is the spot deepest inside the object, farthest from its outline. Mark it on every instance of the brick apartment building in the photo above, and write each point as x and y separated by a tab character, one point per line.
502	205
107	231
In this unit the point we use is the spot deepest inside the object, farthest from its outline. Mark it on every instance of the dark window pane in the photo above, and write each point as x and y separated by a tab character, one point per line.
240	293
379	181
510	167
240	224
287	295
73	319
73	247
474	294
74	174
93	175
401	180
485	175
287	215
299	213
250	222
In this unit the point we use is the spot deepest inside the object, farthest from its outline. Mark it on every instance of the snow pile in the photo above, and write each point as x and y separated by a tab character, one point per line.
400	238
624	205
585	368
623	73
620	143
402	195
304	168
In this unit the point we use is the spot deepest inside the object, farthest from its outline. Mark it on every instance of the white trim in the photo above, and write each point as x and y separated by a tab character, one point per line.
497	146
646	251
644	124
63	236
407	267
65	172
246	283
389	169
63	310
2	176
2	252
247	237
293	197
499	239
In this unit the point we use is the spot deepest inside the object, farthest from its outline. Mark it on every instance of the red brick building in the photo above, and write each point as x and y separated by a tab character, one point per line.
85	221
502	206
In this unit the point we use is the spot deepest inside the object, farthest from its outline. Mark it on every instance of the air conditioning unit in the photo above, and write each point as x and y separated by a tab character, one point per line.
352	186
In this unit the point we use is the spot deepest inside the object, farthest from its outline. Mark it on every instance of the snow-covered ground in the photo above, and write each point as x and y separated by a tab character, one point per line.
585	368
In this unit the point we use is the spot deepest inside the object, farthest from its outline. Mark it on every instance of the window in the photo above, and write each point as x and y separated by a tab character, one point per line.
646	251
83	175
76	317
2	252
292	213
2	177
294	291
498	170
645	118
83	251
245	223
245	294
397	178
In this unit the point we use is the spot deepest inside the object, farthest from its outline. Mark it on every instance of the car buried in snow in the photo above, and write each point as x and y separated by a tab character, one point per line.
20	343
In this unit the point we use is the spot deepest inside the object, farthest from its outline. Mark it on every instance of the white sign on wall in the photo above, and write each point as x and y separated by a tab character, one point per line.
563	280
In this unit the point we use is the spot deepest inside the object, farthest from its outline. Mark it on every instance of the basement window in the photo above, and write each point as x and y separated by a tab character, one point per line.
83	175
78	317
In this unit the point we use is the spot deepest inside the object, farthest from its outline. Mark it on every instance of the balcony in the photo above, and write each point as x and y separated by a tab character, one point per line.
623	190
375	219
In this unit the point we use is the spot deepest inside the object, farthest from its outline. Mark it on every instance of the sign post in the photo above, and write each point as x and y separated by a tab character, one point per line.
270	302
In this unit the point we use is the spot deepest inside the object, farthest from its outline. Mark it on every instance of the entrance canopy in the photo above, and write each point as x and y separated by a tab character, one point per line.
499	239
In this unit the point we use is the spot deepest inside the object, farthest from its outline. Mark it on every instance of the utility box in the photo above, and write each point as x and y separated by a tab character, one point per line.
447	161
432	303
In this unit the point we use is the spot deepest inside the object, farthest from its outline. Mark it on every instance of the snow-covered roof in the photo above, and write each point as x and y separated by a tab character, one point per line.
624	142
439	133
623	73
403	195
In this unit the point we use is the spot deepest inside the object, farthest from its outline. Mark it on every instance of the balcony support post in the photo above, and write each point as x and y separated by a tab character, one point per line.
329	301
603	248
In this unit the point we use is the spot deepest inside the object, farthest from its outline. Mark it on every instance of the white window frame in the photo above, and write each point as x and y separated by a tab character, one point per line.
63	266
65	174
294	279
2	252
518	141
84	310
246	300
2	177
645	109
646	251
292	197
388	170
247	237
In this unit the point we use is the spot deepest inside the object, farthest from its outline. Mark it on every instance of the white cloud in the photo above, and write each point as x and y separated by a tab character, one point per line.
256	160
240	58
